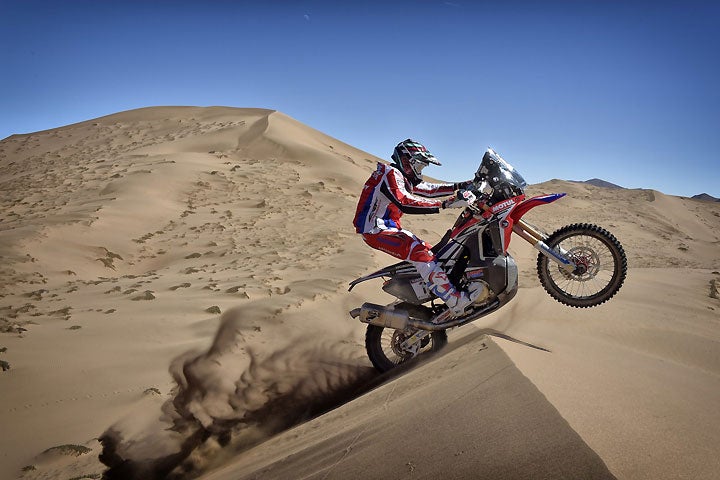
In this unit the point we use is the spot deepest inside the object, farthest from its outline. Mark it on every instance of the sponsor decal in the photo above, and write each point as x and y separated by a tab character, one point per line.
502	205
420	289
469	196
475	274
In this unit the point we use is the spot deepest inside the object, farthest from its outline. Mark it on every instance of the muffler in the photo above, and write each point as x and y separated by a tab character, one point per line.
387	316
382	316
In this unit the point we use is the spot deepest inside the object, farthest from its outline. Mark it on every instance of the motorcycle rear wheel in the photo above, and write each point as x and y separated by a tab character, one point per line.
382	346
601	266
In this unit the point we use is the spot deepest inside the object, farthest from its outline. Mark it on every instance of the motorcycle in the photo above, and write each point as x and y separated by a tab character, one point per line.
580	265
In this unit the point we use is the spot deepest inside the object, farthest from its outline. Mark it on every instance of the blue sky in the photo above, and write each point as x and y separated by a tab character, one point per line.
621	90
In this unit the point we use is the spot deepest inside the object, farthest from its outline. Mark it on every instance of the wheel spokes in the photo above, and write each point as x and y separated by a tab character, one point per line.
391	344
595	267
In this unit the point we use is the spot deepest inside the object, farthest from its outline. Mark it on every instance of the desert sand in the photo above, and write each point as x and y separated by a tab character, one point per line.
174	282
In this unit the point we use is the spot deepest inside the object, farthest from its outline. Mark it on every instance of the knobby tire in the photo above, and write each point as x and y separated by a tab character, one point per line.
374	347
549	272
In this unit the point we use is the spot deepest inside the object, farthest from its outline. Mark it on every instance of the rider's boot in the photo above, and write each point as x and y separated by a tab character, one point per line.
439	284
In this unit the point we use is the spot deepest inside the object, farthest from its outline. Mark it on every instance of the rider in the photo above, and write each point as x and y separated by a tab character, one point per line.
393	190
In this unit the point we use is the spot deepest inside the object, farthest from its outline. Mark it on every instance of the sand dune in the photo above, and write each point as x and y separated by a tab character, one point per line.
187	267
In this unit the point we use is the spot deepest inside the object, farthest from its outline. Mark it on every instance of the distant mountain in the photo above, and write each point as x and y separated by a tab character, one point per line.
706	197
599	183
602	183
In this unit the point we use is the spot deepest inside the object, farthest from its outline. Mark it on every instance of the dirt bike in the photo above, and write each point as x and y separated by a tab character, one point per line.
580	265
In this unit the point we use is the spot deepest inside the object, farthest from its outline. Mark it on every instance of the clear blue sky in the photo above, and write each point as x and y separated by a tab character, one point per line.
621	90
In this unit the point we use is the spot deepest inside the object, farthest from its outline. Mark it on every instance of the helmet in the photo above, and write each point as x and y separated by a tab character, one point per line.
410	157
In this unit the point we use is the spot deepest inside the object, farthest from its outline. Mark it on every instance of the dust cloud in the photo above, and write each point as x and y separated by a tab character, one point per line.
238	393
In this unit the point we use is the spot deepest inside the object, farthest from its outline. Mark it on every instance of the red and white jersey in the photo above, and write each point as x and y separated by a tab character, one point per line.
387	195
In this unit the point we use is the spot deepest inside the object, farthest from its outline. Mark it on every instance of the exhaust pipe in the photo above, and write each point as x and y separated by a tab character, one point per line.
387	316
382	316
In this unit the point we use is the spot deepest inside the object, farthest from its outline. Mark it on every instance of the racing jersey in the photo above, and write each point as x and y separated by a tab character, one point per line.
387	195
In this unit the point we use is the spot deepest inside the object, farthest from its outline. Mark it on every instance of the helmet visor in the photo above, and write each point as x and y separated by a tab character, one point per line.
419	154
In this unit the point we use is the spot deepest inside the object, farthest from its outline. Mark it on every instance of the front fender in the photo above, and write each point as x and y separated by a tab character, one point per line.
524	207
521	209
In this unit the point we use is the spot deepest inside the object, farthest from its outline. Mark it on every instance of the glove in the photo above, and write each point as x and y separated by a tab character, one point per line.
461	199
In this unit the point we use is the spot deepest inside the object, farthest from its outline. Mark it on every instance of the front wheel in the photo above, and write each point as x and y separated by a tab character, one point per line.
384	346
600	266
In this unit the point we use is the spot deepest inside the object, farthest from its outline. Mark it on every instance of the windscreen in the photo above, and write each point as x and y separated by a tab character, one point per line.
505	181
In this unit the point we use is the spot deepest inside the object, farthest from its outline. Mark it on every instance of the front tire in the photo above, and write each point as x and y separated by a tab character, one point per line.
601	266
382	345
